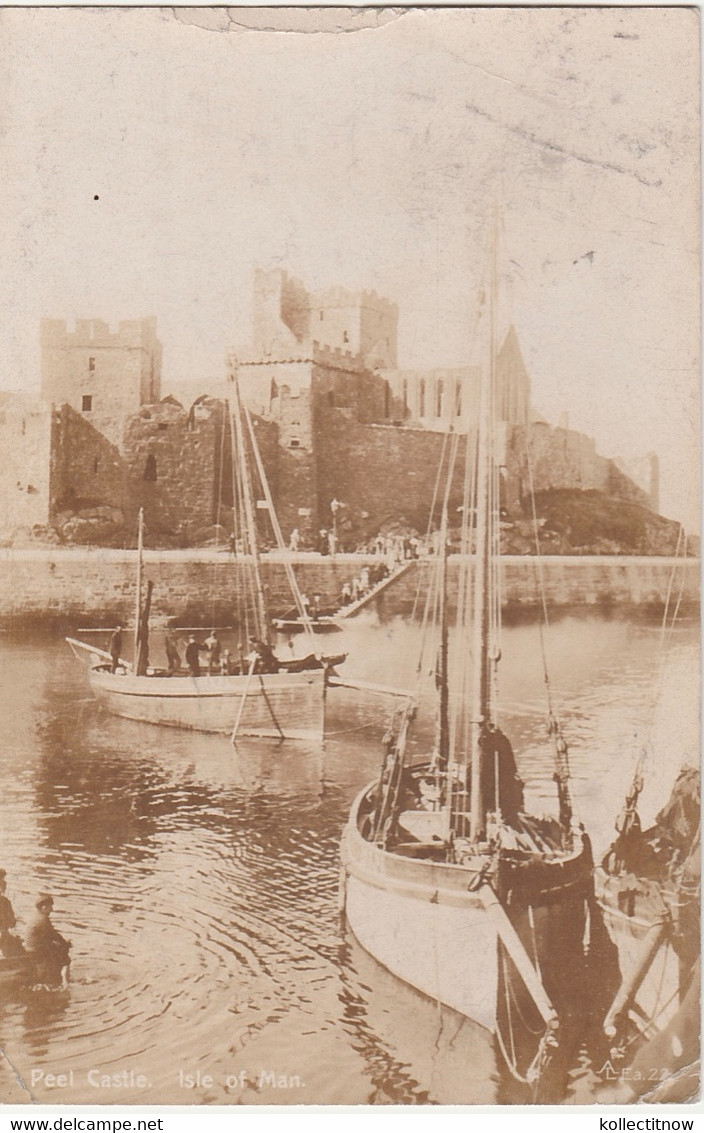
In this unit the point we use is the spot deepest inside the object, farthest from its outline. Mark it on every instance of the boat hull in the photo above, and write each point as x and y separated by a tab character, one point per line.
421	921
441	942
311	625
280	705
633	934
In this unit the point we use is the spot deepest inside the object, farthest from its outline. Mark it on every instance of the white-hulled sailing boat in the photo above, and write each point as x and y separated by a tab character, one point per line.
259	695
445	880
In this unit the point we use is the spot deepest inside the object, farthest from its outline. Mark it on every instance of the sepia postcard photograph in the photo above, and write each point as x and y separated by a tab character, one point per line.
349	556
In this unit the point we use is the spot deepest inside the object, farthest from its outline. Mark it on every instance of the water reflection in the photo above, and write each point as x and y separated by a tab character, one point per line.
198	881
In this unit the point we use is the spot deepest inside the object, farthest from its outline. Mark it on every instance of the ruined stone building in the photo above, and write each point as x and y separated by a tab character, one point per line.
334	417
439	398
351	427
99	443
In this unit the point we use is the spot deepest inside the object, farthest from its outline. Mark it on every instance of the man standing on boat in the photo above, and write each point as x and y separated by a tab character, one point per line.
192	656
115	647
499	770
265	660
173	657
212	644
48	949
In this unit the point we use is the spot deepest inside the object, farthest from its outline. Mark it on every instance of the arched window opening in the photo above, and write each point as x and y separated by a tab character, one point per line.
458	398
421	398
150	469
438	398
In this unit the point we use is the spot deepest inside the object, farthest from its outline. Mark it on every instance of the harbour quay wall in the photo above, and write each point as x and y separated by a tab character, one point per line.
69	587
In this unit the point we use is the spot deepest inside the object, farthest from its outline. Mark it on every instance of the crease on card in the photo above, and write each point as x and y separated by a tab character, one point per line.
309	21
18	1077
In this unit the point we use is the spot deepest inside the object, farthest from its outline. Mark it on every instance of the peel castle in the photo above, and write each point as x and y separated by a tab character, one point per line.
336	421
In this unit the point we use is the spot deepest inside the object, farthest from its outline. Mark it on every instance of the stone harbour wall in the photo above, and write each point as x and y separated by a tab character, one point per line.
83	587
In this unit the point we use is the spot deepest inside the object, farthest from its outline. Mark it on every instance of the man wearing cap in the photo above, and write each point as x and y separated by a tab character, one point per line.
48	948
193	650
264	657
115	647
10	945
173	657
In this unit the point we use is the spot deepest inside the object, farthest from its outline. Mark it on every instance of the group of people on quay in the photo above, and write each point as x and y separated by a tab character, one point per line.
391	552
368	578
393	548
46	952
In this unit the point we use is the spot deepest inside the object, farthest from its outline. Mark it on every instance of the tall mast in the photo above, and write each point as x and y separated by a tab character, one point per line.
290	575
481	708
443	724
261	617
138	597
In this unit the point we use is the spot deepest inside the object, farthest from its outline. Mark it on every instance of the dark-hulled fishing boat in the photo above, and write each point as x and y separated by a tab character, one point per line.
446	880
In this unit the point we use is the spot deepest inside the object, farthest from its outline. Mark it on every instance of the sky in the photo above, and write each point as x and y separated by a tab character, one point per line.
152	163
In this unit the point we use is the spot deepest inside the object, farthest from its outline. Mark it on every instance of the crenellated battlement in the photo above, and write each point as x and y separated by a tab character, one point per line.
101	372
288	317
97	333
336	357
339	296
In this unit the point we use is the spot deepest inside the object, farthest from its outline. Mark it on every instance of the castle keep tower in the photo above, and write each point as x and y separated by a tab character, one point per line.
288	319
102	375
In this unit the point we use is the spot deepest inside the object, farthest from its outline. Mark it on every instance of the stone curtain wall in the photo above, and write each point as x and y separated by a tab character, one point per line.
381	473
339	380
73	587
87	470
25	442
561	458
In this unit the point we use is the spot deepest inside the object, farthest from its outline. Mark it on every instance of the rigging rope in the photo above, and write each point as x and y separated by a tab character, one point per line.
665	631
290	575
562	767
245	596
218	509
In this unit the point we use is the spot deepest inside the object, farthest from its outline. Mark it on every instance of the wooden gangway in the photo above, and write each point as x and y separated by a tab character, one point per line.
350	610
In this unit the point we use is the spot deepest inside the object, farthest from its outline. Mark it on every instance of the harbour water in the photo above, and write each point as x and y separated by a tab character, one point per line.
198	883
